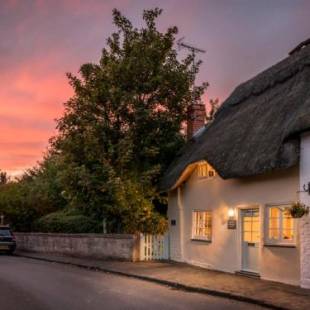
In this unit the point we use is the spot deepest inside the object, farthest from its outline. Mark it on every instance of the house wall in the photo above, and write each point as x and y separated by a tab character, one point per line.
305	220
176	229
224	252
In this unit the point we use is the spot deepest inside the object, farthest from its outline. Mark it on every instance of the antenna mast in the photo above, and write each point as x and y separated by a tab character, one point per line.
191	48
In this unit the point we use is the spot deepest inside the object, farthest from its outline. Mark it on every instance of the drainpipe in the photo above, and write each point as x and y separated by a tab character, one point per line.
181	222
304	179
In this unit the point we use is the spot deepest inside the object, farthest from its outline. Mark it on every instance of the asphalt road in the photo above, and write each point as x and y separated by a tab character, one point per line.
28	284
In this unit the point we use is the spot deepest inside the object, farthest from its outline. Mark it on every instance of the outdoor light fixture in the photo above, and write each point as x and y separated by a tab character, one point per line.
231	213
232	222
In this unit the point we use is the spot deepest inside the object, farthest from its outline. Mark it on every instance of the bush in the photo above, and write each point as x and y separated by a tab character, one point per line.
17	209
67	222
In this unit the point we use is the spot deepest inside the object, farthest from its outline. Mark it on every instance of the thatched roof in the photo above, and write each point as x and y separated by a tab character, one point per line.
257	128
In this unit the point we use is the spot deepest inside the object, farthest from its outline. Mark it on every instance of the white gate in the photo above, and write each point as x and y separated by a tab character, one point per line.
154	247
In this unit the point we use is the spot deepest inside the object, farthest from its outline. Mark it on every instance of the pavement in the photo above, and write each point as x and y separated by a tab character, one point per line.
27	284
194	279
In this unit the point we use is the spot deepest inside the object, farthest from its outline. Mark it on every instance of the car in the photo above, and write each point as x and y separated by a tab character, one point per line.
7	240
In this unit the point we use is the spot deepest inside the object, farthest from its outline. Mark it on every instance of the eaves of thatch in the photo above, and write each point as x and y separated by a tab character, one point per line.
257	128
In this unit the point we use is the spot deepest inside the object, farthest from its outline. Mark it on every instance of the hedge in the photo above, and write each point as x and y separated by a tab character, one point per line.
67	222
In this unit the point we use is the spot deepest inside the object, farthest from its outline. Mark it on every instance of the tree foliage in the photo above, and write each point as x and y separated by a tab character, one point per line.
66	221
35	194
215	104
119	133
122	127
4	178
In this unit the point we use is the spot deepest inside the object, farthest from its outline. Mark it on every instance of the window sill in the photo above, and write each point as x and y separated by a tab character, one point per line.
201	240
280	245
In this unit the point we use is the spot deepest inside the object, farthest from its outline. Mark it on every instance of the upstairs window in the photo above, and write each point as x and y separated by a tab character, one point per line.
204	170
202	225
280	226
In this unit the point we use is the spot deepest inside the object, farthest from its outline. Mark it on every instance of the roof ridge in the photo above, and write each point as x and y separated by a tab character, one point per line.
270	77
300	46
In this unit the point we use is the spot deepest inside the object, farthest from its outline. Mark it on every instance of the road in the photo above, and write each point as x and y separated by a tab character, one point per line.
28	284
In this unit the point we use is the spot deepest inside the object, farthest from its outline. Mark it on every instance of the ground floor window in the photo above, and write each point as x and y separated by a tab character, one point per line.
251	225
280	225
202	225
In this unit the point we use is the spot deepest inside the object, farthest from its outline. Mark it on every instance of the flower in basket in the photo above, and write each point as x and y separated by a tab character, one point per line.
298	210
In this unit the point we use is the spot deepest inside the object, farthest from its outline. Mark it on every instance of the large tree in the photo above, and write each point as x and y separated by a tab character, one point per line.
123	125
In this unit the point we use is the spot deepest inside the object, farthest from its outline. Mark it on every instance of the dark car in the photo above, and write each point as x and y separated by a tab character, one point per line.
7	240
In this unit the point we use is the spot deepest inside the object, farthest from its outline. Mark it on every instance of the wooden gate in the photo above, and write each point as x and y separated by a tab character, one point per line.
154	247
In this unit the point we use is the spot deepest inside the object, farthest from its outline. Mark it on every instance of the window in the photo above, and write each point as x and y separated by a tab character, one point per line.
250	225
280	226
5	232
202	225
204	170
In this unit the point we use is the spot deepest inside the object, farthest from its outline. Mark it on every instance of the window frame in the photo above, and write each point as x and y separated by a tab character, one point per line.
204	169
281	241
194	226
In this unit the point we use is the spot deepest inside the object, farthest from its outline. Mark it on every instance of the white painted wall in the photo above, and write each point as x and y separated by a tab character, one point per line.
305	221
224	252
176	231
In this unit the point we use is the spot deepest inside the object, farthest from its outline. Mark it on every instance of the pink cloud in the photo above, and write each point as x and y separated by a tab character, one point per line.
30	102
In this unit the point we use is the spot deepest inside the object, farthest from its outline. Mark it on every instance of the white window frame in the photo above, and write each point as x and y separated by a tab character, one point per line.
194	226
280	241
204	170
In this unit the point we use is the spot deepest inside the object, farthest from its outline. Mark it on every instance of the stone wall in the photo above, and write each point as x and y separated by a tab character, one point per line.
99	246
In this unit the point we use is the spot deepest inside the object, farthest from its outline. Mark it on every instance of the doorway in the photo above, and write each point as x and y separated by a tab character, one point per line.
250	223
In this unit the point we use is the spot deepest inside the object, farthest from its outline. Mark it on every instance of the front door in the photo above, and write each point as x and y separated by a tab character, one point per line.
250	239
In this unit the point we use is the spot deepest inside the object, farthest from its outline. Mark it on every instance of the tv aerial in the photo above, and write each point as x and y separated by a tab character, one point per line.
194	50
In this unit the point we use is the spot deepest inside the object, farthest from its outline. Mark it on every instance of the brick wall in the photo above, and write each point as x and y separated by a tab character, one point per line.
196	119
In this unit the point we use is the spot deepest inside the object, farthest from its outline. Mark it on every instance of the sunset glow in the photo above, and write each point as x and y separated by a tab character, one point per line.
42	40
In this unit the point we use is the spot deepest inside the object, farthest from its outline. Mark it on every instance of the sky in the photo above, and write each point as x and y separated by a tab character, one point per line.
41	40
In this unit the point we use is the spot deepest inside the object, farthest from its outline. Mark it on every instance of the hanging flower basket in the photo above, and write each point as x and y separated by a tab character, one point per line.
298	210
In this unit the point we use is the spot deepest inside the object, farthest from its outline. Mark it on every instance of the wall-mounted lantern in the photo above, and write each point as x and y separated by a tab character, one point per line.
231	213
232	222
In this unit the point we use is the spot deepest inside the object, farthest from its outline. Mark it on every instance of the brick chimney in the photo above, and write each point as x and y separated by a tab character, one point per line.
196	118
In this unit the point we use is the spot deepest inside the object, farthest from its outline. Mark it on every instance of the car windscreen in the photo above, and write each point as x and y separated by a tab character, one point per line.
5	233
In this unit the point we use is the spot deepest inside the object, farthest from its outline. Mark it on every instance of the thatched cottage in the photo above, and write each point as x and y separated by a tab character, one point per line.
231	187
